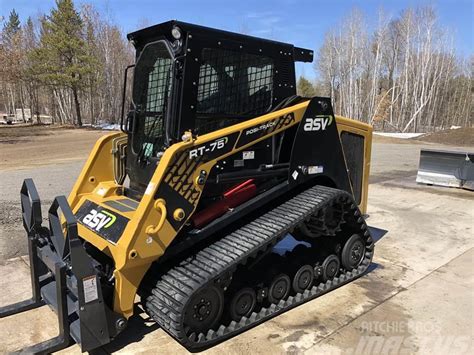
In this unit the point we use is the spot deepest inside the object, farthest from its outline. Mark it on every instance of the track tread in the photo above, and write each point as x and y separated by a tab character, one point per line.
167	301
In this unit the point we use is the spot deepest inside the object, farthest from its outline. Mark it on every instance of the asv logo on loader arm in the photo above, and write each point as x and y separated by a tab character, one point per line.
97	220
320	122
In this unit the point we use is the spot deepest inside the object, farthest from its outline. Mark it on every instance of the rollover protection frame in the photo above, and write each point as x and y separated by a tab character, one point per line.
64	277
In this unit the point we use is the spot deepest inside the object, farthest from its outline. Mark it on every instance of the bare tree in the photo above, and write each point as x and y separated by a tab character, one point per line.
405	74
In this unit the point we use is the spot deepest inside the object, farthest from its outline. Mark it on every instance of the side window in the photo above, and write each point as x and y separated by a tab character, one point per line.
150	91
353	145
158	82
232	86
207	84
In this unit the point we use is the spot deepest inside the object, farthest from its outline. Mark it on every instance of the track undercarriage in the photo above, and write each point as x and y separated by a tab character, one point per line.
240	280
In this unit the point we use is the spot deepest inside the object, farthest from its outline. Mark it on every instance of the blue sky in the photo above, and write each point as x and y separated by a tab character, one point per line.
301	22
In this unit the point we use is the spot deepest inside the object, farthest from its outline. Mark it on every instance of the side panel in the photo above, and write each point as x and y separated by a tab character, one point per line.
180	188
334	149
317	151
97	169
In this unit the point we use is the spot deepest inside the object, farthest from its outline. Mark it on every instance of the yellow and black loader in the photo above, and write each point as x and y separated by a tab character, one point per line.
224	200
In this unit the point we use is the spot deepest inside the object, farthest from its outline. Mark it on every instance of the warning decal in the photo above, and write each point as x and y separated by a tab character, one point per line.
90	288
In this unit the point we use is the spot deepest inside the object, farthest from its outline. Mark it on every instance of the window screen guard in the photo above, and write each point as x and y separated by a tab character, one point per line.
353	145
232	85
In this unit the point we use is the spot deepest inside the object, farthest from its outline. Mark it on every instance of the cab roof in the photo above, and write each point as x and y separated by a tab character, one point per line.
151	33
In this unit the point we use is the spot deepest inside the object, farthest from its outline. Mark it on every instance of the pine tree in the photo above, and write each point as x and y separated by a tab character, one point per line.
11	29
305	88
63	60
11	56
30	44
91	18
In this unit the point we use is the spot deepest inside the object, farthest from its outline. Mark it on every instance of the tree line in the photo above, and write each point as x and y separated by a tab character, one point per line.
404	75
67	64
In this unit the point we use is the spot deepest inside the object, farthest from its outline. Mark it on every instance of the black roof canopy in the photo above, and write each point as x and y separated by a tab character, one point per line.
164	29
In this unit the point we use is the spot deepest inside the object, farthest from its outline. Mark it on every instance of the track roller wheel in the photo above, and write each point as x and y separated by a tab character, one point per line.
303	278
330	267
204	309
243	303
279	289
353	252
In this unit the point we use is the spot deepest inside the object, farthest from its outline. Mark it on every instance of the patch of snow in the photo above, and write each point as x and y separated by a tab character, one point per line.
108	126
111	127
455	127
399	135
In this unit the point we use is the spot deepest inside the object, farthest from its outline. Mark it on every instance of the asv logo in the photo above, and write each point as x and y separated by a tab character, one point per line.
318	123
98	220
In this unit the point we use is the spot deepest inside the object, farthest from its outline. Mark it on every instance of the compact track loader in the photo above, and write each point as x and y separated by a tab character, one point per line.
218	164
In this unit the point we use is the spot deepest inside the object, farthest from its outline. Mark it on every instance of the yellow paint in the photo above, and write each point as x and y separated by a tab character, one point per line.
365	130
148	233
178	214
160	206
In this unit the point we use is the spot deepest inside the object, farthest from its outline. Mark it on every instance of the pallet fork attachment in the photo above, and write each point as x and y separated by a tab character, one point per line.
63	276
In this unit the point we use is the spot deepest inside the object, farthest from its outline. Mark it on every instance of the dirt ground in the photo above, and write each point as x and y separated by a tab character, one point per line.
24	146
460	137
416	297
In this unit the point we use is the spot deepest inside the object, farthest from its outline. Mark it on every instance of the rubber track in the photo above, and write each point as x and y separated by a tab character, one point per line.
169	295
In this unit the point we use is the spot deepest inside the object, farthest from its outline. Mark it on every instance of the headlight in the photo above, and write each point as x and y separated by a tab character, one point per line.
176	33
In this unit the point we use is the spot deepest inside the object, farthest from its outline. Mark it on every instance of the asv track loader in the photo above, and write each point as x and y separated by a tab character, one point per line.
217	162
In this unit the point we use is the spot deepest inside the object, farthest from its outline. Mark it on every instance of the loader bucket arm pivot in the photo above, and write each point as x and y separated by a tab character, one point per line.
63	276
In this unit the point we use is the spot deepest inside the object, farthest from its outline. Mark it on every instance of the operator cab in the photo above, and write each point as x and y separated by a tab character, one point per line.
198	79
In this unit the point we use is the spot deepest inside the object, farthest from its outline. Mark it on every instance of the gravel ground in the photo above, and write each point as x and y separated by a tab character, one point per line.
52	156
50	180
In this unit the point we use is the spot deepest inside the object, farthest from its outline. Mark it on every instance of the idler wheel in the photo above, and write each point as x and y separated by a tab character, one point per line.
353	252
204	309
